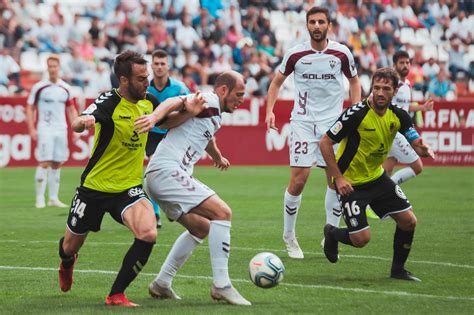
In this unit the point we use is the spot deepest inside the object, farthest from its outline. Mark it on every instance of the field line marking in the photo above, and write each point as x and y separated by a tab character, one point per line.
437	263
294	285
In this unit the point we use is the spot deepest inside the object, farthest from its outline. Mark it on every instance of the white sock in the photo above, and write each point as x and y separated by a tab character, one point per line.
333	208
180	252
40	182
290	212
219	248
53	183
403	175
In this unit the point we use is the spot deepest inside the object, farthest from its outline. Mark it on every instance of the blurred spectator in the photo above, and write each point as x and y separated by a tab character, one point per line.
440	12
365	18
9	70
251	85
386	57
188	79
441	87
417	77
231	16
101	52
99	80
95	30
85	48
367	61
430	69
456	60
113	25
408	16
461	27
386	36
76	69
186	35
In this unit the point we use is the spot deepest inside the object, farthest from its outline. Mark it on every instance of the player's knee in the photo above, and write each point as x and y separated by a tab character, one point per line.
148	235
360	241
200	232
409	225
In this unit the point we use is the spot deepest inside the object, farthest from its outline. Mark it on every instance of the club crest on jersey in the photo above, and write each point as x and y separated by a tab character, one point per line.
392	126
336	127
297	158
332	63
135	136
354	222
135	191
399	192
73	221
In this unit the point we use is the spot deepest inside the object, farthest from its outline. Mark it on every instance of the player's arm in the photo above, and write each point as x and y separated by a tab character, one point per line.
272	96
71	113
426	107
30	121
409	132
219	161
343	186
83	122
355	89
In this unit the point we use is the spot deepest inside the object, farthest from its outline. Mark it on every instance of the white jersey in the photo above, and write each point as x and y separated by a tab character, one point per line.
184	145
51	100
403	97
318	78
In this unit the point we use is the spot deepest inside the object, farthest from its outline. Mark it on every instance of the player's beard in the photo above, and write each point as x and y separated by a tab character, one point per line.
322	37
134	92
403	72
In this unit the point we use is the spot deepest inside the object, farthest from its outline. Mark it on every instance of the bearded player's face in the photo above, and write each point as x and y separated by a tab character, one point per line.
138	82
318	26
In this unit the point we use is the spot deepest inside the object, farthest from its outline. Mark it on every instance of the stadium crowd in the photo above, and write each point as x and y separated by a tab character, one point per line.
205	38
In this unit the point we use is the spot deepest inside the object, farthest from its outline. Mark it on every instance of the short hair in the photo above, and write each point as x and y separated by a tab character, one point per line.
159	53
315	10
123	63
400	54
387	74
227	78
54	57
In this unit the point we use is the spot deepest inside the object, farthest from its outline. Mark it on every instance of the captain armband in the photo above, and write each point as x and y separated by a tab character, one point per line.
411	134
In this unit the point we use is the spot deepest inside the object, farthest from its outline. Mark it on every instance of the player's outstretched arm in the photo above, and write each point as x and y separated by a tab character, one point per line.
343	186
83	122
30	114
272	96
191	108
426	107
219	161
422	149
355	89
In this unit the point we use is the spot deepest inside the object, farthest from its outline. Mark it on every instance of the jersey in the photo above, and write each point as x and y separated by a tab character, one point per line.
116	163
366	138
184	145
173	88
51	100
403	97
318	79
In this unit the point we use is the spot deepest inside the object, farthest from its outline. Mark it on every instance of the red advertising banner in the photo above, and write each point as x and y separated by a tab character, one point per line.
244	140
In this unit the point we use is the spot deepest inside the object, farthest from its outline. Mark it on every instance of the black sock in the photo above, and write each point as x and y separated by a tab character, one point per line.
132	264
401	248
342	235
67	261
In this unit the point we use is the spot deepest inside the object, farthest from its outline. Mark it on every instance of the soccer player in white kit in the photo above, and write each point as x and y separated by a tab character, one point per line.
318	66
51	98
183	198
401	151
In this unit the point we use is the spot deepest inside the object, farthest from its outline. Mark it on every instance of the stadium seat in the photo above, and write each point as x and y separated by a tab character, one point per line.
29	61
277	19
436	33
423	36
442	54
429	50
407	35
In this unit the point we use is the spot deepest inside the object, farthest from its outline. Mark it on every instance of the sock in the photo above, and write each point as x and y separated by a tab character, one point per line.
290	212
219	248
132	264
53	183
180	252
403	175
333	208
342	235
40	180
66	261
401	248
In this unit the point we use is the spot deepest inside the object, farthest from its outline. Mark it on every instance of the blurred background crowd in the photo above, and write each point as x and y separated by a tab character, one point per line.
207	37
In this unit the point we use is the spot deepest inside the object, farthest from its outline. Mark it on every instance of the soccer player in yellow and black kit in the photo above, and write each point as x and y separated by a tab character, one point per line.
112	179
365	132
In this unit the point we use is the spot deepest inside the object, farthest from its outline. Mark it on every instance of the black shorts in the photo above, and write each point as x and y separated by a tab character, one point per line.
152	142
384	197
89	206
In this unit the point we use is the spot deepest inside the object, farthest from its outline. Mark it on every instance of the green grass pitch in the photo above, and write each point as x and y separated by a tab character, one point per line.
442	254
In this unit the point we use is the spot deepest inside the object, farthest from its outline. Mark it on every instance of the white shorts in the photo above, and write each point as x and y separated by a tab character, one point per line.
175	191
402	150
52	147
304	143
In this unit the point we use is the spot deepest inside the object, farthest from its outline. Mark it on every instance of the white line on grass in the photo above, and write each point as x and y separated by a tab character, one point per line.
437	263
294	285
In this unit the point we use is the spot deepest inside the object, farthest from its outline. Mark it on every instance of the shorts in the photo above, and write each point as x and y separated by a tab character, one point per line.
89	206
52	147
304	143
402	150
153	139
384	197
175	191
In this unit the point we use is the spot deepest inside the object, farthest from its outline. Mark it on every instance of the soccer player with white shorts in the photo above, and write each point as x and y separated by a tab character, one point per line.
319	66
51	98
169	181
401	151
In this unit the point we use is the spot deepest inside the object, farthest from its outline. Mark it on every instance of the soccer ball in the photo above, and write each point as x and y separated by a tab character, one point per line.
266	270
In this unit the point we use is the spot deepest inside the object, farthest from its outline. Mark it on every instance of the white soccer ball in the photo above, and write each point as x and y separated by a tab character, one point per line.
266	270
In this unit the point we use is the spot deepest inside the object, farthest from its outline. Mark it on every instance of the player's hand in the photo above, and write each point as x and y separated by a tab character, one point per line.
144	123
88	122
270	121
222	164
425	150
344	188
34	134
196	105
428	105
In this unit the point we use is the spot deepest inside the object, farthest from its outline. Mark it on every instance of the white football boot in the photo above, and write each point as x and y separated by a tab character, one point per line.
228	294
293	248
158	292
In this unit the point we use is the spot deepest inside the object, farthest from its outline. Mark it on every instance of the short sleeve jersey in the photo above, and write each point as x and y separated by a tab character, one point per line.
51	100
318	79
184	145
366	138
117	157
403	97
173	88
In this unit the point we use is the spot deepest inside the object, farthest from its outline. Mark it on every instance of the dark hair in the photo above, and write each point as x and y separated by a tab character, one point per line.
315	10
400	54
159	53
123	63
227	78
386	74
